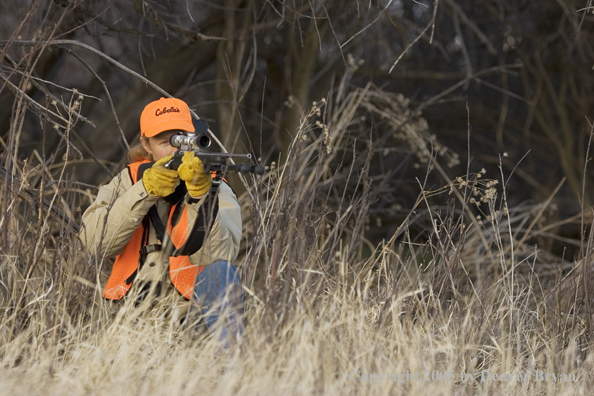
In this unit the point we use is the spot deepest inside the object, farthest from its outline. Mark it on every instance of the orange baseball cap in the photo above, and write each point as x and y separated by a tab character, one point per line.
165	114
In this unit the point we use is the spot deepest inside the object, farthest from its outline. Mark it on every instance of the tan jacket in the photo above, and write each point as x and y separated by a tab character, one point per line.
108	225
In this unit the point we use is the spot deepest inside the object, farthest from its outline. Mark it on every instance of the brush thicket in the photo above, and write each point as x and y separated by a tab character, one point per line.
458	286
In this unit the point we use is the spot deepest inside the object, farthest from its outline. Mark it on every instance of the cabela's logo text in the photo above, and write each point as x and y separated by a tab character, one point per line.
166	110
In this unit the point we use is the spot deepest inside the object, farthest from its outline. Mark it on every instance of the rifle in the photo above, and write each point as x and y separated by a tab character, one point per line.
213	162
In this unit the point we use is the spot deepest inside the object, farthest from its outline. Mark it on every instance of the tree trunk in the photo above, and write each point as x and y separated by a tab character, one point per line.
300	70
230	54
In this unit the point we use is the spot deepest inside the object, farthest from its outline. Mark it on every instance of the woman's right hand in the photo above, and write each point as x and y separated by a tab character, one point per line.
160	181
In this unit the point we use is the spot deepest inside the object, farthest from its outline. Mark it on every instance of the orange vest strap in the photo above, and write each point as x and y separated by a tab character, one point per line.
133	169
181	272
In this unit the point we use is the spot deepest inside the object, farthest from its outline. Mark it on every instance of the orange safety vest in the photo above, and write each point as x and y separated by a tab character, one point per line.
181	272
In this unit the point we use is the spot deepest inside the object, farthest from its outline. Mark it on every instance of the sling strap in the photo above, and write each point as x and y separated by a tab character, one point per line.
207	212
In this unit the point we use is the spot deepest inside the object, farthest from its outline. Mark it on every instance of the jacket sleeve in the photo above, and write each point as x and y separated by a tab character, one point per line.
225	235
118	210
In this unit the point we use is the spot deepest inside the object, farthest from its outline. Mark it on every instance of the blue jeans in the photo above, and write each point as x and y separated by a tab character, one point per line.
218	291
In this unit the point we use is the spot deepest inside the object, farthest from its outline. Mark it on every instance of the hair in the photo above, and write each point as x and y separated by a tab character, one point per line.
138	153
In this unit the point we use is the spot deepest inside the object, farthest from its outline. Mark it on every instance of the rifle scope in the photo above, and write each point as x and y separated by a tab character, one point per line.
190	141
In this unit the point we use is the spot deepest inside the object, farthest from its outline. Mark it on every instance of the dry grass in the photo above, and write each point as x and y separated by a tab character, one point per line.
326	310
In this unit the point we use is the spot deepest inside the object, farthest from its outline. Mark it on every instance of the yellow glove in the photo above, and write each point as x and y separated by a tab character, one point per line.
160	181
192	172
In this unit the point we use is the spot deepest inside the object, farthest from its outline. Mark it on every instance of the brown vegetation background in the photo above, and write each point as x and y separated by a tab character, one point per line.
519	73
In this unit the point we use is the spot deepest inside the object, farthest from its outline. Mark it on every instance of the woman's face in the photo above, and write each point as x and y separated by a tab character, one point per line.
158	146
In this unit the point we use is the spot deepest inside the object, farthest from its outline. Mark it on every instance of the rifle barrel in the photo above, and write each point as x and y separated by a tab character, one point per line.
222	155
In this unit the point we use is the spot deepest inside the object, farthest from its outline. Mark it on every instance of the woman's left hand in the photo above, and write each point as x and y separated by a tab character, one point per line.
192	172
